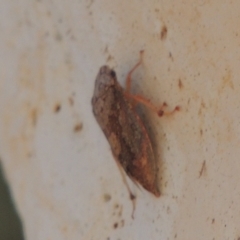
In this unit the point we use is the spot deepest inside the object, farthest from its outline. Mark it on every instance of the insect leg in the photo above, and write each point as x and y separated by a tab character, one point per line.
139	99
160	111
131	195
129	76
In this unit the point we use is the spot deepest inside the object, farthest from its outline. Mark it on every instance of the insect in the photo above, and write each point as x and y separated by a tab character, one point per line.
114	110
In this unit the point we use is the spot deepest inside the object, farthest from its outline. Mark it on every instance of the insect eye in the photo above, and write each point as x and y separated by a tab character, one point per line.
113	74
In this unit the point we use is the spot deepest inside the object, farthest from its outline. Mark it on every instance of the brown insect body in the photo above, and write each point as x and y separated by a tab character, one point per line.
124	130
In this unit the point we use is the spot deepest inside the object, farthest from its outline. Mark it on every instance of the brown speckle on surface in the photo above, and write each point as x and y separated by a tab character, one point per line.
115	225
71	101
163	34
203	168
57	108
107	197
105	50
34	115
122	223
58	36
203	105
180	84
29	154
117	210
78	127
120	211
213	220
170	56
64	229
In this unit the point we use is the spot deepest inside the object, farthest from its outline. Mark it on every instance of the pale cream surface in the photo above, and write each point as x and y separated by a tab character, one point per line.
63	177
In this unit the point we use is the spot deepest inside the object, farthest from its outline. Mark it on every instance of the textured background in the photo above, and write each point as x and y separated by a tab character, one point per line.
57	161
